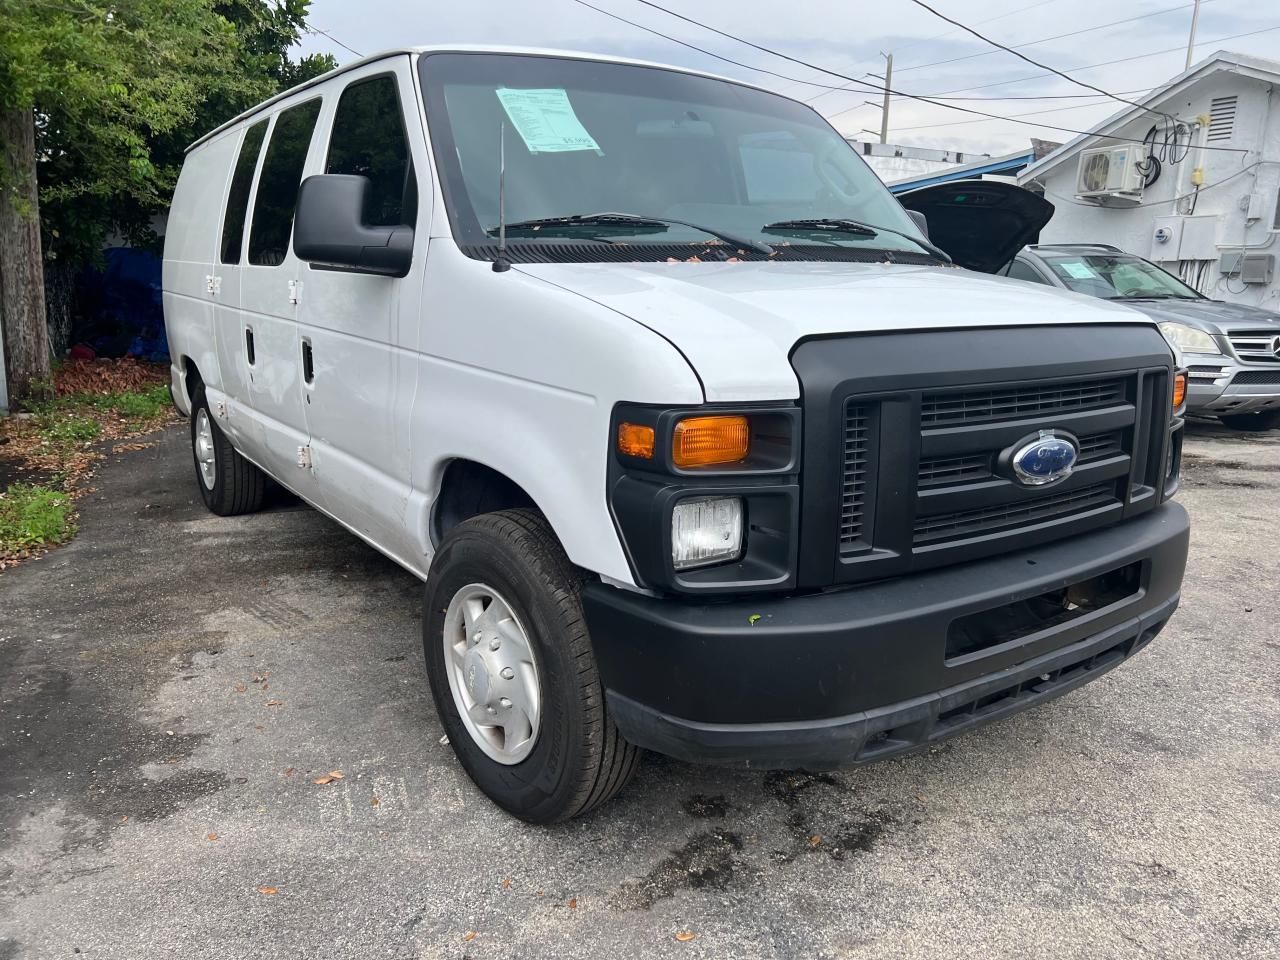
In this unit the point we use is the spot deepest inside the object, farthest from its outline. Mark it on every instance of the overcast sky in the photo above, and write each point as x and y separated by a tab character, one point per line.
847	36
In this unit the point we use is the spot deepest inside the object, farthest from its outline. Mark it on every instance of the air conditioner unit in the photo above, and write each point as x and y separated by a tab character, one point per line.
1111	173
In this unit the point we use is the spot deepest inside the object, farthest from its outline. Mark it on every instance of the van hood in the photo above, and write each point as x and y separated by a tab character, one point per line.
736	323
982	224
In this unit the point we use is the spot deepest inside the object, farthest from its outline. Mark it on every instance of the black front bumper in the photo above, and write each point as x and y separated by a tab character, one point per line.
849	676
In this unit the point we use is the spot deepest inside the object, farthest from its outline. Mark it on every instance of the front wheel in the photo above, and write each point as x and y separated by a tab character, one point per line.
513	674
1252	422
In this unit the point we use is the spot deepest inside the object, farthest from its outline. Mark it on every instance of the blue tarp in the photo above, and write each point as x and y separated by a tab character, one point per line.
121	309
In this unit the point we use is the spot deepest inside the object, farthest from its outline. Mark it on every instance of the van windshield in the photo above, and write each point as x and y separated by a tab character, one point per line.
617	154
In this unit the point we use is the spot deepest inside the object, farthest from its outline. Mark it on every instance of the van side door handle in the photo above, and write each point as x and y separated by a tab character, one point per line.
308	365
249	353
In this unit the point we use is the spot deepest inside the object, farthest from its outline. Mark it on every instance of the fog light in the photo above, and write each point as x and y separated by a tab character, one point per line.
706	530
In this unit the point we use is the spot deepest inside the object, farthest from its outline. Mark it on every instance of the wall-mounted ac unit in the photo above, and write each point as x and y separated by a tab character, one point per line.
1111	173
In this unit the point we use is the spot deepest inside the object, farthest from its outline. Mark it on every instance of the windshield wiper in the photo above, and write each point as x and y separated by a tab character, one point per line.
632	220
845	225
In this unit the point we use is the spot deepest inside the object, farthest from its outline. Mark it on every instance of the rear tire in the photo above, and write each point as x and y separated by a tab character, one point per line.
229	484
1252	422
577	760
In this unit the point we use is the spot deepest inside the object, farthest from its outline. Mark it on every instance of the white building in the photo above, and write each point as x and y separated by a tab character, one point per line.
1208	207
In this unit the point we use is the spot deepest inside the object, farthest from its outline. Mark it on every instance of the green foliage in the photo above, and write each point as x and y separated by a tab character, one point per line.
31	516
51	414
120	87
72	429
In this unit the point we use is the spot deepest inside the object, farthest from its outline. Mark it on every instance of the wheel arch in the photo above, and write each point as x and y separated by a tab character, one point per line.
469	488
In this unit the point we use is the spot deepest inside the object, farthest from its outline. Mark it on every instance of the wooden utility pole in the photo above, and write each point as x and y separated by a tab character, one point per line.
22	311
1191	40
888	84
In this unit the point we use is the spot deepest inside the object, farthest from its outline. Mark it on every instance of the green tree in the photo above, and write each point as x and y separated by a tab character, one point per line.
98	99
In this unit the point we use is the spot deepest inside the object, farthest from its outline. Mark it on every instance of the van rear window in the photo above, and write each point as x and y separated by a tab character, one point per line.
277	195
238	195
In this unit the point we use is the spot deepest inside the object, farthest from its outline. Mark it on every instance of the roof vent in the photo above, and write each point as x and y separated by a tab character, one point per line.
1222	117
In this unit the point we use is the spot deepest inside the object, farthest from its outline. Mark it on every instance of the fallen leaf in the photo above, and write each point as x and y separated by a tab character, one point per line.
125	818
573	903
329	777
288	771
753	619
468	936
241	688
211	837
374	802
506	883
542	893
269	891
684	936
920	797
274	703
814	841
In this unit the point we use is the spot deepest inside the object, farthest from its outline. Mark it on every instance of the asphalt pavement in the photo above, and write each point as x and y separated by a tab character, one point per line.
172	684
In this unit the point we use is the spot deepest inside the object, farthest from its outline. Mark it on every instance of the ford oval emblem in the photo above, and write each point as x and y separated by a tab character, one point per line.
1044	460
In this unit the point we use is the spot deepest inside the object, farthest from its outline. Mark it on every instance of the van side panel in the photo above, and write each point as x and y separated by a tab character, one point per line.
521	376
190	243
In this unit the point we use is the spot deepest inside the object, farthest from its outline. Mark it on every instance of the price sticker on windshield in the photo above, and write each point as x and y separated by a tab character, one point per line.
545	121
1078	270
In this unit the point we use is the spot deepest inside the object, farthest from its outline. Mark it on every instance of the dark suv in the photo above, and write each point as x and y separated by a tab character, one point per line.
1232	351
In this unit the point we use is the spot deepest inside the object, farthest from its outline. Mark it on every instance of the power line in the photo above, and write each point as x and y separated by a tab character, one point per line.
871	86
945	33
314	30
1035	63
1029	113
1108	63
1059	36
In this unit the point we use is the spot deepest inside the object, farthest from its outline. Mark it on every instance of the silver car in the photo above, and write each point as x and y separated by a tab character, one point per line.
1232	351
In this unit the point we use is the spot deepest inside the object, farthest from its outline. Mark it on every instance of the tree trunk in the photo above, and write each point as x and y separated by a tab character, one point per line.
22	313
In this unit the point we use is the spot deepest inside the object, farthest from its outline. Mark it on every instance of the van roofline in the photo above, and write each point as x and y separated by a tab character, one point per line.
464	48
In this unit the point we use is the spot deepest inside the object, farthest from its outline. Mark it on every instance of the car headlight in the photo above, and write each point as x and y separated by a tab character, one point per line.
706	530
1188	339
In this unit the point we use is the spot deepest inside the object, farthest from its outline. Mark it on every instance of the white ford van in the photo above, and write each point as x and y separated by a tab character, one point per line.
697	441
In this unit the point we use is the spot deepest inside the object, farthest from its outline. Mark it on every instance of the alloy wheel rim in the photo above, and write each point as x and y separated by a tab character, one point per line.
493	673
206	457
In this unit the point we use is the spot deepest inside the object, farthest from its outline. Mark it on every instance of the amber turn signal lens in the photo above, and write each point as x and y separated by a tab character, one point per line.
702	441
1179	389
635	440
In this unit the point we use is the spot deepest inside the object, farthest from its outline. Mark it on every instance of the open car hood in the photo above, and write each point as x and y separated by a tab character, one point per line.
982	224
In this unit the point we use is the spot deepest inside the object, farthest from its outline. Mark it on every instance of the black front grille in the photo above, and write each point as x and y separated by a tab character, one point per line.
990	519
1009	403
854	487
943	471
909	438
1257	377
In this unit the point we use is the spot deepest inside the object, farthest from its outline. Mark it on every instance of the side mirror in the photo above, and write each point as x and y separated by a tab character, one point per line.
921	221
329	229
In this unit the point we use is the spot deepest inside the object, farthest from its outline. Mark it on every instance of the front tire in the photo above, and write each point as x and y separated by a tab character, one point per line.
515	680
229	484
1252	422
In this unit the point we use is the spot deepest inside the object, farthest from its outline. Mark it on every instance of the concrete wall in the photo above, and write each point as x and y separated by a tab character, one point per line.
1219	224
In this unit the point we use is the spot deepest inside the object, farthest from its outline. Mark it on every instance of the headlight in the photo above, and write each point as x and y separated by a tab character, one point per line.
1188	339
706	530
